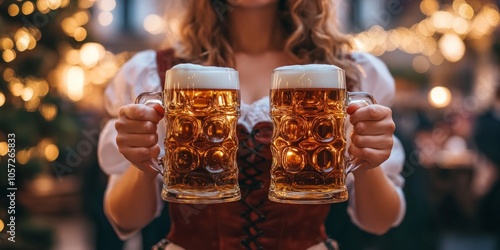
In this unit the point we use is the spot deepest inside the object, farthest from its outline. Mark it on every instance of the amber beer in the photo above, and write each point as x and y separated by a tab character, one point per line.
202	106
308	110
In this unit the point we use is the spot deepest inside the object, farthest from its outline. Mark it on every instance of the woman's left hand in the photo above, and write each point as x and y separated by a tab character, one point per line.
372	135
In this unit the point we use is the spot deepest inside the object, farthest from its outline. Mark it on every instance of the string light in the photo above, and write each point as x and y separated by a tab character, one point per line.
80	34
48	111
2	99
13	9
51	152
9	55
442	30
43	6
4	149
54	4
27	8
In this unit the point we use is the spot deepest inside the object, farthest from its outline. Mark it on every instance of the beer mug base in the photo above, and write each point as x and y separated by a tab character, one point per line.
307	197
200	197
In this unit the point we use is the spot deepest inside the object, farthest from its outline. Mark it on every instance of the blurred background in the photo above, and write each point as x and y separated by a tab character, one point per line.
56	57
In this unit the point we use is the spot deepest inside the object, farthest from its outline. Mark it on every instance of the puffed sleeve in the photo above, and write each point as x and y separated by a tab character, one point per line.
137	75
378	81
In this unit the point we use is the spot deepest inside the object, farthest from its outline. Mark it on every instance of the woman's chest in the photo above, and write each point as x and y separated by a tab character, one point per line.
255	72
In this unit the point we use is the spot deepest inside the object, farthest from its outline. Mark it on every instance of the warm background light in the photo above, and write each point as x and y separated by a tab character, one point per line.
154	24
105	18
445	28
439	97
452	47
2	99
421	64
74	79
4	149
91	53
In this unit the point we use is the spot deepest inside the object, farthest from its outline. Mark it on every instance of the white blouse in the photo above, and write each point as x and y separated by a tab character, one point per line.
140	75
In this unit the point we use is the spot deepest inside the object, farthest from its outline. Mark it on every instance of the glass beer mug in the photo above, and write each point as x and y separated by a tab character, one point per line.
202	106
309	146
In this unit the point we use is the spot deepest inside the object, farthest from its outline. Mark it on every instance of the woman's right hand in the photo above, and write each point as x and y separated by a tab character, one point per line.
137	137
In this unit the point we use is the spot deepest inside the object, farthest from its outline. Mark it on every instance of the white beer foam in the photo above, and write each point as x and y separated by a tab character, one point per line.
202	77
309	76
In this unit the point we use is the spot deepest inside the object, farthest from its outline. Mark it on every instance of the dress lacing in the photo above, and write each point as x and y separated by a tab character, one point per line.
254	134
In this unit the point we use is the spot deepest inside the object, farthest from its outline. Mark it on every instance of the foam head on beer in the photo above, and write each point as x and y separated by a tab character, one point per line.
308	76
194	76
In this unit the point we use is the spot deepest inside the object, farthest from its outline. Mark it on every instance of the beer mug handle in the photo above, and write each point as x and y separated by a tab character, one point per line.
364	99
147	98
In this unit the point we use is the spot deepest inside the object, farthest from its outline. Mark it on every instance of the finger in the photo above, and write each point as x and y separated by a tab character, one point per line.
374	156
370	113
353	107
135	127
372	141
381	127
136	140
154	151
141	112
159	109
137	155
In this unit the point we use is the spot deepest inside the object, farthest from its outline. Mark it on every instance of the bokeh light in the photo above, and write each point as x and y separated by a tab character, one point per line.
421	64
27	8
48	111
4	149
91	53
80	34
154	24
27	94
13	9
51	152
439	97
9	55
74	79
452	47
107	5
2	99
105	18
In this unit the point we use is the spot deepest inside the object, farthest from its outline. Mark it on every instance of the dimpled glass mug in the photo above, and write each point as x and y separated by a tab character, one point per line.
202	106
308	111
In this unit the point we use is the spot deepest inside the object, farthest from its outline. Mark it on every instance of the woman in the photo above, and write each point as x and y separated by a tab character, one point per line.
254	37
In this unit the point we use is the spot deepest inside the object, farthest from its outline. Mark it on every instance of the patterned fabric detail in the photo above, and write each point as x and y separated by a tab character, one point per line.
253	150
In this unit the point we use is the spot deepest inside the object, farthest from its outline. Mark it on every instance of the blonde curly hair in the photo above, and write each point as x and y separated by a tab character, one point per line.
310	26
